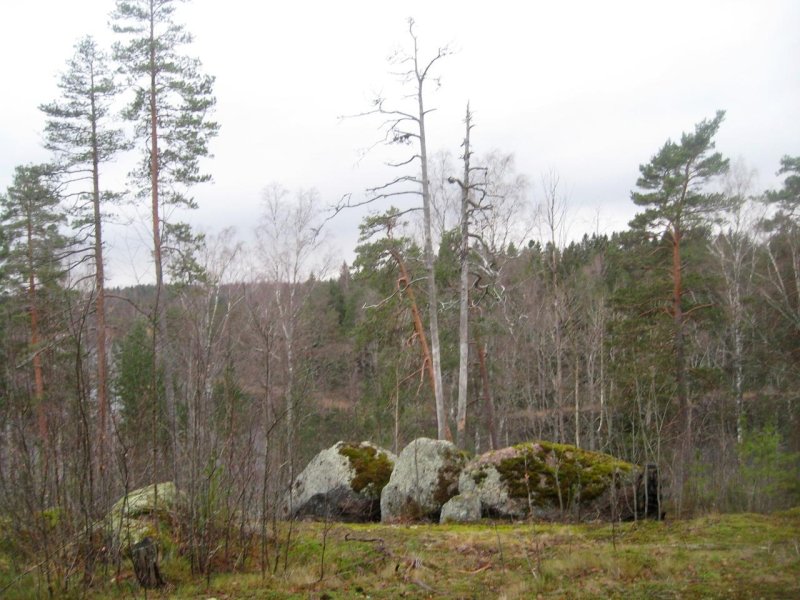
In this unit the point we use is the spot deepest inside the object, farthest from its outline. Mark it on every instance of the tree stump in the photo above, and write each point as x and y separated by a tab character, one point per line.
144	556
652	493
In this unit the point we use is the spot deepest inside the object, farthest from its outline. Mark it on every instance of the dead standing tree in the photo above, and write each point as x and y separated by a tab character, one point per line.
489	204
408	127
469	205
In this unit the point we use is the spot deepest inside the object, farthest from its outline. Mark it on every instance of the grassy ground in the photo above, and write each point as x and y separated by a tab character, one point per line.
719	556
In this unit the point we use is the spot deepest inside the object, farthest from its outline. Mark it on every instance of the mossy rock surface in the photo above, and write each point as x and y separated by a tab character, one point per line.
144	512
144	501
549	480
343	482
371	465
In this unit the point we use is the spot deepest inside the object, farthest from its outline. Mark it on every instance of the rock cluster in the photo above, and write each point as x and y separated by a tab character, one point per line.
432	480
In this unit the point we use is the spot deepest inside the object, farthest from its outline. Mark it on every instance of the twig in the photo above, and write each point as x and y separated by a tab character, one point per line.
500	548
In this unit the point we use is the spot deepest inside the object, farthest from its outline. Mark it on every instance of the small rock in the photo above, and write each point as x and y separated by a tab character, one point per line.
462	508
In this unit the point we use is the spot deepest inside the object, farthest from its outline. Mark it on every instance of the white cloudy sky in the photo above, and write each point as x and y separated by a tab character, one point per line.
588	89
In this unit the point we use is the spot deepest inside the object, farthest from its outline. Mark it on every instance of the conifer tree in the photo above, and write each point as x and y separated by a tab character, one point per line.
170	109
79	132
406	126
783	247
673	192
30	217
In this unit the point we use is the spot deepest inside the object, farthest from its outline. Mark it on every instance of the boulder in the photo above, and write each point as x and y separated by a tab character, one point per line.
343	483
135	517
482	479
425	476
145	500
546	480
461	508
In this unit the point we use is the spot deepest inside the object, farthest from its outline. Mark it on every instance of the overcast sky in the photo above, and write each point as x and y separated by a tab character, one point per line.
587	89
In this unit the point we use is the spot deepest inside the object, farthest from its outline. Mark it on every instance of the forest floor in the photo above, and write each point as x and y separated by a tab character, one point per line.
715	556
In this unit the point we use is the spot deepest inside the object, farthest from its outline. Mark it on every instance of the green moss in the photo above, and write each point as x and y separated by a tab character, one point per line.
447	483
372	468
550	473
143	501
479	475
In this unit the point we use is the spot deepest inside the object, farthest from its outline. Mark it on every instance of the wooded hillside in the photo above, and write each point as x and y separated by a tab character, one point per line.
467	313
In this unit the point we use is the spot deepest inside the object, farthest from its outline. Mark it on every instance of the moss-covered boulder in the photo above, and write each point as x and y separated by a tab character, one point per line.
343	483
424	478
546	480
144	513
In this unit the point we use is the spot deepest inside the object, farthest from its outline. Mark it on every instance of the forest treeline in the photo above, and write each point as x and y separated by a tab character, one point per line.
467	313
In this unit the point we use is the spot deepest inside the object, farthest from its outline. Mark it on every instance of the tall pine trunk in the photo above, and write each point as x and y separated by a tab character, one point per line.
100	300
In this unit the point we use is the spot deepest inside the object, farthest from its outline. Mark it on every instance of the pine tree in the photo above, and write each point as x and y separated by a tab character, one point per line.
132	386
673	192
30	216
407	127
80	135
172	102
783	247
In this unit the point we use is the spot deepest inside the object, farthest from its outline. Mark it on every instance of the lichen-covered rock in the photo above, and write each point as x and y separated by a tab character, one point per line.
425	476
461	508
550	481
160	497
482	479
343	483
135	516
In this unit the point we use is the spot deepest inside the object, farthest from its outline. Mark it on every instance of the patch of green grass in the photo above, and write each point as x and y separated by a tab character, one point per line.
715	556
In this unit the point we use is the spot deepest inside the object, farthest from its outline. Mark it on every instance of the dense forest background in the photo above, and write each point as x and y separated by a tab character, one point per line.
674	342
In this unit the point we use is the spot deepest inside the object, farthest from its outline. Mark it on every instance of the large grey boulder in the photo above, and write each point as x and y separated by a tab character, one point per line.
552	481
342	483
425	476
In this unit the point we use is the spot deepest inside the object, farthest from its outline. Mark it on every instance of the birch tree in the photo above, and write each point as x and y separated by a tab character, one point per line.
291	251
734	249
554	222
